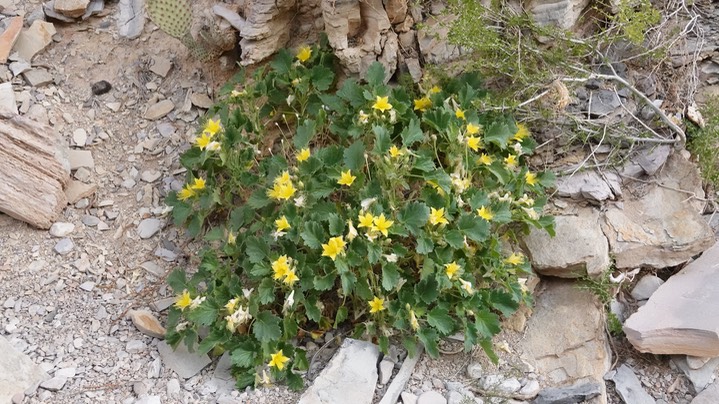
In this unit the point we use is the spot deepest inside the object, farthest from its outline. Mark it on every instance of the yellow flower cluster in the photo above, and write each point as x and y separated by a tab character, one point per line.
204	141
375	224
191	190
283	269
334	247
282	187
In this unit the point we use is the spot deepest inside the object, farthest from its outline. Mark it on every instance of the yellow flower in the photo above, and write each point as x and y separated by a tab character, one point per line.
382	104
232	305
303	155
365	220
422	104
282	191
184	300
186	193
436	186
376	305
511	161
451	269
282	223
485	213
346	178
280	267
434	90
198	184
231	238
304	54
203	140
394	151
283	178
296	82
522	132
278	360
474	143
485	159
459	113
413	320
381	224
334	247
291	278
530	177
212	127
436	216
473	129
515	259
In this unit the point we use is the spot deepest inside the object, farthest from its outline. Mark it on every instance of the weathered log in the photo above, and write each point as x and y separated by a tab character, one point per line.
34	169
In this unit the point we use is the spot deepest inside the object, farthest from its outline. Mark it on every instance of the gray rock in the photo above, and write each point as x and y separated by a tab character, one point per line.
87	286
657	226
37	77
201	100
603	103
394	390
131	19
17	372
701	377
77	190
629	387
565	337
267	28
139	388
89	220
671	323
530	389
135	346
385	371
148	228
230	16
696	362
455	397
408	398
64	246
19	67
34	39
159	110
433	42
153	268
652	159
588	185
350	376
79	137
577	393
563	14
95	7
161	66
165	254
709	395
578	249
500	384
474	370
149	400
431	397
54	384
71	8
150	175
7	98
80	158
646	286
173	388
186	364
61	229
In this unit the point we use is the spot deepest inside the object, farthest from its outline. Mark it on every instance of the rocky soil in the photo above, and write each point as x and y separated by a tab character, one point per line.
81	302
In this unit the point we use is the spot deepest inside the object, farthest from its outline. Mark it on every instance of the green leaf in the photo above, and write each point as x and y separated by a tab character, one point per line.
412	133
437	119
390	276
382	141
487	323
348	280
266	327
266	291
313	312
180	211
352	93
414	216
282	63
204	314
313	235
289	327
504	302
294	381
256	249
304	134
454	238
177	280
258	199
244	355
374	252
440	319
354	156
429	339
322	77
427	290
245	379
217	337
217	233
341	316
500	171
424	244
424	163
194	226
486	345
473	227
375	74
336	225
324	282
498	133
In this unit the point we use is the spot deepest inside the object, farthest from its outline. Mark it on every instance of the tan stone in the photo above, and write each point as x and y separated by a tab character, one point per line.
77	190
71	8
34	39
147	323
8	38
682	316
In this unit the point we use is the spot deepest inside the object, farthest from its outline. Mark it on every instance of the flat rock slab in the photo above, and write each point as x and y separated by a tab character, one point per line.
588	185
682	316
350	377
565	339
17	372
658	226
629	387
710	395
579	247
34	39
185	363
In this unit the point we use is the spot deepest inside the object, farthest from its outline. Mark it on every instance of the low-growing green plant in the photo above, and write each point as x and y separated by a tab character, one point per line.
703	142
354	206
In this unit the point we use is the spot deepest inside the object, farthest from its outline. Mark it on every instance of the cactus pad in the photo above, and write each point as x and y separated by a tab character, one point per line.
172	16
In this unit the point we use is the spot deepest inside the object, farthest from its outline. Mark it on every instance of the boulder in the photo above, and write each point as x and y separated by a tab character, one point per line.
589	185
578	249
565	338
659	226
266	29
433	42
682	316
563	14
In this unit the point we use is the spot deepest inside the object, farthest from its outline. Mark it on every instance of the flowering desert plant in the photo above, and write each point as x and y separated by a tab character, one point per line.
353	207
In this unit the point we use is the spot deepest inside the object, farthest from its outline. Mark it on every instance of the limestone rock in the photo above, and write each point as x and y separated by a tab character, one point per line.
147	323
577	393
564	14
17	372
646	286
670	323
342	21
8	37
565	339
431	397
131	18
158	110
603	103
656	226
579	247
267	29
34	39
710	395
699	377
8	103
629	387
589	185
71	8
185	363
396	10
77	190
350	376
80	158
433	43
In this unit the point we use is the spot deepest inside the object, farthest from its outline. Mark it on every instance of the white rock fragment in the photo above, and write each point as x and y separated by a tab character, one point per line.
61	229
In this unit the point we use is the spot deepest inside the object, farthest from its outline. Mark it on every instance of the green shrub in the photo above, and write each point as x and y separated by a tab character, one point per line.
703	143
355	207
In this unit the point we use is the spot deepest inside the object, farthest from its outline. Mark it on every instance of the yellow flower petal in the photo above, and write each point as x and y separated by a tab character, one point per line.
282	224
436	216
334	247
278	360
515	259
459	113
198	184
304	54
473	129
474	143
184	300
394	151
485	213
382	104
422	104
186	193
365	220
303	155
346	178
522	132
530	178
376	305
382	225
212	127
